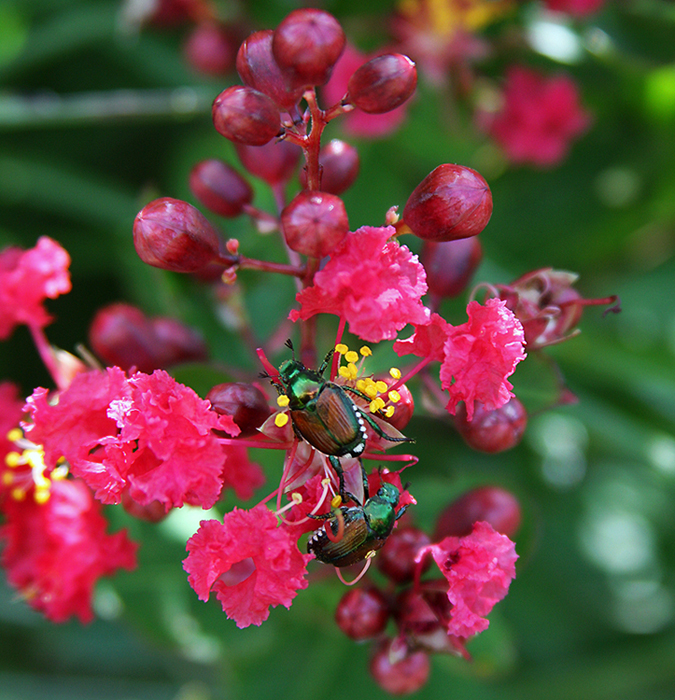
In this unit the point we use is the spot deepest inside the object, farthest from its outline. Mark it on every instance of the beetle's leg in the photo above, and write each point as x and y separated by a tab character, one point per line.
335	463
403	510
364	476
379	430
326	362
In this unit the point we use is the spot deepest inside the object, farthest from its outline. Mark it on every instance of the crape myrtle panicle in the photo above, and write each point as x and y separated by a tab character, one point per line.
133	435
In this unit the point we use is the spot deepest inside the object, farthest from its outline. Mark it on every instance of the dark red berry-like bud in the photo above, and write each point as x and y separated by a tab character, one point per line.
173	235
450	265
275	162
210	49
244	402
306	46
401	676
122	335
220	188
491	504
451	202
245	115
314	223
396	559
339	164
382	84
362	613
258	69
153	512
492	431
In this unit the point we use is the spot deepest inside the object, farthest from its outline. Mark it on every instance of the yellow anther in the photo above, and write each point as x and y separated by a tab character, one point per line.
61	472
281	419
394	396
283	400
376	404
296	498
41	481
370	391
395	373
18	494
352	371
15	434
41	496
381	386
366	351
361	385
344	372
336	501
341	348
352	356
7	478
389	411
13	459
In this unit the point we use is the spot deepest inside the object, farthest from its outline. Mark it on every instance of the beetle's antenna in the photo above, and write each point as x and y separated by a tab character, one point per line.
289	345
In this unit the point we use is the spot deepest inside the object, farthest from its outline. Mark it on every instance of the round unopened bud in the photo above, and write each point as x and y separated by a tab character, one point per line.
339	164
210	49
403	676
122	335
362	613
173	235
220	188
382	84
245	115
396	560
451	202
450	265
490	504
314	223
244	402
307	44
258	69
492	431
275	162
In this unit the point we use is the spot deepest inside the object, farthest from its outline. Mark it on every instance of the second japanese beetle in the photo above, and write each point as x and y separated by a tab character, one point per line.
365	529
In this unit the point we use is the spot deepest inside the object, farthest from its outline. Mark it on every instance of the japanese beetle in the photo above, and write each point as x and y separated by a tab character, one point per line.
323	414
366	528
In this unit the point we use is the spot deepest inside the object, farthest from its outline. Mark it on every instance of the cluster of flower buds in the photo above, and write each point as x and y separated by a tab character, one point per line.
427	617
132	435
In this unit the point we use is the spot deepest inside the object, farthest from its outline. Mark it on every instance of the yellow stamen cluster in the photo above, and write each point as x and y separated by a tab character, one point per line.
22	480
445	17
372	389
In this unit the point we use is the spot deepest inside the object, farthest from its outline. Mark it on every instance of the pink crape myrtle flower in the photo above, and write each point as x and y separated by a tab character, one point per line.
359	123
27	278
476	357
372	282
11	410
147	434
479	569
56	551
250	563
540	118
575	8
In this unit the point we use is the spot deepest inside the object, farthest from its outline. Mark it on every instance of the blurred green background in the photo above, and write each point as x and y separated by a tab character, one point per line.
591	612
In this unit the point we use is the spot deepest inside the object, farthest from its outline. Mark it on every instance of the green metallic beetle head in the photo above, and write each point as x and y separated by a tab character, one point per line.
300	384
388	493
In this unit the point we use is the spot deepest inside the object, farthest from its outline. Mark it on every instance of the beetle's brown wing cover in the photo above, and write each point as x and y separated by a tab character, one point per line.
353	546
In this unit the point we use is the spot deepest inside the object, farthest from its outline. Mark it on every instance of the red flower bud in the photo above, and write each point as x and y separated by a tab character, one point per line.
123	336
211	49
172	235
402	676
396	559
362	613
220	188
450	265
314	223
490	504
245	115
339	164
492	431
274	162
258	69
451	202
382	84
306	46
244	402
